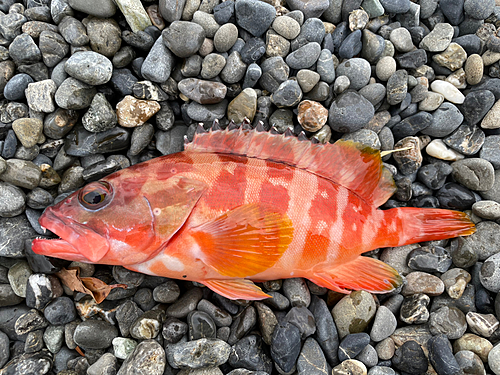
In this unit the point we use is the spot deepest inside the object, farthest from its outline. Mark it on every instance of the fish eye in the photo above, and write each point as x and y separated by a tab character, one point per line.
95	195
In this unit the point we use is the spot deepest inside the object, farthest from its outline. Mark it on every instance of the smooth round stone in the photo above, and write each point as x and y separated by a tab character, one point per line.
353	313
167	292
304	57
73	31
474	343
98	8
286	27
60	311
94	334
149	324
352	345
350	366
350	112
438	149
225	37
201	325
357	70
445	120
385	68
412	125
341	84
482	324
212	65
414	309
474	173
490	273
479	9
74	94
254	16
123	347
104	35
285	346
374	93
365	136
401	38
243	106
490	121
455	196
486	209
493	359
351	46
325	66
421	282
438	39
28	131
206	112
173	330
14	89
183	38
288	94
307	79
207	22
89	67
223	12
373	46
469	362
476	105
474	69
450	92
384	324
253	50
396	6
448	320
434	175
295	289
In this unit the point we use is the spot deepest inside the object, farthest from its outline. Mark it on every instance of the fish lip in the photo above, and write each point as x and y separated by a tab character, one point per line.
73	236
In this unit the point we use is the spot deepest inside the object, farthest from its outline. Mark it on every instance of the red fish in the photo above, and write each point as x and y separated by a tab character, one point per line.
239	206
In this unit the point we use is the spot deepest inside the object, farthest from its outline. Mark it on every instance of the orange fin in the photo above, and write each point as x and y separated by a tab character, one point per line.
236	289
352	165
423	224
362	273
245	241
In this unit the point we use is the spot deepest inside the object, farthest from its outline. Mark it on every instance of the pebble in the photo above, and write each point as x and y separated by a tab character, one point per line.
312	116
441	356
174	330
357	70
469	362
100	116
438	149
311	359
449	321
352	345
482	324
486	209
493	360
148	355
476	105
74	94
489	275
248	353
445	120
350	366
414	309
474	173
450	92
183	38
198	353
132	112
455	281
60	311
15	87
254	16
353	313
158	63
410	358
285	346
243	106
350	112
104	365
384	324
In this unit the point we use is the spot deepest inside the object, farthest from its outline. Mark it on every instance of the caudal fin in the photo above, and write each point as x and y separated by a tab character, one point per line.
410	225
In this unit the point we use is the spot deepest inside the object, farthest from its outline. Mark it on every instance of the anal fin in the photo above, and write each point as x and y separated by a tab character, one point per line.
362	273
236	289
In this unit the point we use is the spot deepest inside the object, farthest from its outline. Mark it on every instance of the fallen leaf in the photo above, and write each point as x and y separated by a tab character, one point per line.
92	286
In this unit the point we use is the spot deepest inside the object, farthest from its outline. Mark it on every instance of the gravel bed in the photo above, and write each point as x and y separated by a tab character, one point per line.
88	87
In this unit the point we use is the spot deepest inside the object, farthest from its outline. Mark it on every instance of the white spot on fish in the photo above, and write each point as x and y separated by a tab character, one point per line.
172	263
157	211
278	181
354	227
292	273
324	194
321	226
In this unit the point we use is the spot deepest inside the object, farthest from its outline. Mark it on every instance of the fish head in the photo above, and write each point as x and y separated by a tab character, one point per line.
106	222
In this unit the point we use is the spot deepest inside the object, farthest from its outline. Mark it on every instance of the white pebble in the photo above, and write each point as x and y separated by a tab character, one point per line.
439	150
450	92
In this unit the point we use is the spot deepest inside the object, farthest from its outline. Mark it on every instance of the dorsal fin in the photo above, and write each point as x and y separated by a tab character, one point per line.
352	165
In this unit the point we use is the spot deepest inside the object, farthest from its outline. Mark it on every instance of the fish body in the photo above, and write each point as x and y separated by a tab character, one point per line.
241	206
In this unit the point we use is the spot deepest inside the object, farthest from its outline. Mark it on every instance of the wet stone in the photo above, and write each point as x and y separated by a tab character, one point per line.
30	322
83	143
185	304
490	275
412	125
37	363
352	345
100	115
201	325
221	317
18	276
53	338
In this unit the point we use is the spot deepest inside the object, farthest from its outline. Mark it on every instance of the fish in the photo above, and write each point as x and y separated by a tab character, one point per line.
240	206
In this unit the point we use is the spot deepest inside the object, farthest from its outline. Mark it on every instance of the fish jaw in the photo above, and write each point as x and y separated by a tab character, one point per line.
77	242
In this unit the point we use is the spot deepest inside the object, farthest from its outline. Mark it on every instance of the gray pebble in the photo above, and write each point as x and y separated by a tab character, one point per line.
74	94
198	353
183	38
357	70
490	273
384	324
350	112
148	355
474	173
158	63
304	57
100	116
14	89
288	94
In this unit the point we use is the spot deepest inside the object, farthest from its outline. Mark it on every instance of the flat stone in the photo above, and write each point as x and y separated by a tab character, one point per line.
474	173
254	16
135	14
438	39
98	8
350	112
158	63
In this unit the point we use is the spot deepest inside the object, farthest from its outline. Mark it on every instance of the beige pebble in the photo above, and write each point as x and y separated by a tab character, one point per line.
385	68
474	69
431	101
453	57
312	115
457	79
492	118
244	105
490	57
132	112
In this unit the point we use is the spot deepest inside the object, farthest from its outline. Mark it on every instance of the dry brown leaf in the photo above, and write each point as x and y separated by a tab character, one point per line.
92	286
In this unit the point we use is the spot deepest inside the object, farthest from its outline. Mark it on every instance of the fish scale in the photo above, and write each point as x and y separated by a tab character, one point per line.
241	205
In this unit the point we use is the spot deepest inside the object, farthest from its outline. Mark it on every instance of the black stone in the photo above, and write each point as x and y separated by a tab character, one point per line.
352	345
253	50
60	311
249	353
467	139
476	105
412	59
411	125
441	356
430	259
201	325
174	330
410	358
434	175
351	45
303	319
285	346
456	197
81	142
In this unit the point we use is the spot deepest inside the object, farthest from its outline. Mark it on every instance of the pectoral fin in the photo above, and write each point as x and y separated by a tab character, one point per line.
245	241
362	273
236	289
171	202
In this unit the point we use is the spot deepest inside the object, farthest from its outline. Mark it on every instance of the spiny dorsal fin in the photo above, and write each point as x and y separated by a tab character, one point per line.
350	164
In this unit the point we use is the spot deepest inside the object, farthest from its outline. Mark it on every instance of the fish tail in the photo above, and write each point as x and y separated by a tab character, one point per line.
409	225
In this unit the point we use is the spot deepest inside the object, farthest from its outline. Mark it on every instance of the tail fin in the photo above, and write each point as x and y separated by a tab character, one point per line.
424	224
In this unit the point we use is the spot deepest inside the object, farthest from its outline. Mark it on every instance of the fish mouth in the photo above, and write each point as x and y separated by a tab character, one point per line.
77	242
